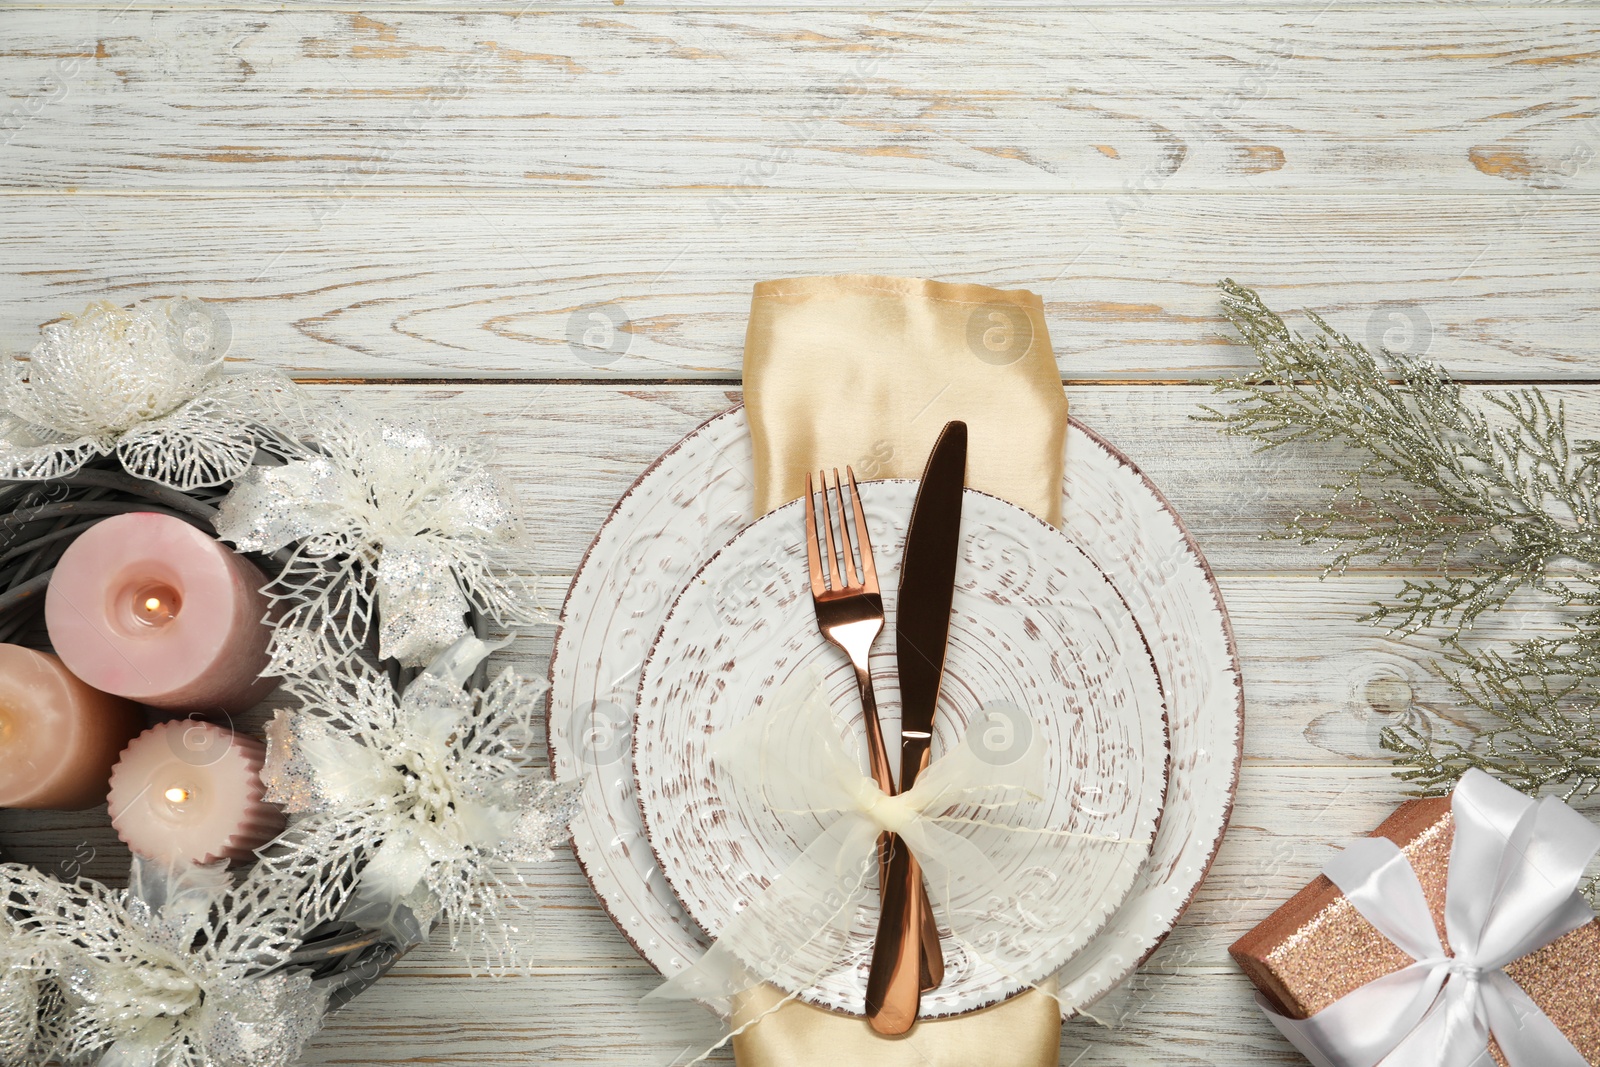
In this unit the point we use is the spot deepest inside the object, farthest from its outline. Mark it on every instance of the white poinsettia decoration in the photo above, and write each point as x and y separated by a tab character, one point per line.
179	969
30	999
144	383
439	781
403	510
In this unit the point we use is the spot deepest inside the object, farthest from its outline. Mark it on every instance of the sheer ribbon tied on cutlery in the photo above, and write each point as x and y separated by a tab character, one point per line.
972	819
1515	868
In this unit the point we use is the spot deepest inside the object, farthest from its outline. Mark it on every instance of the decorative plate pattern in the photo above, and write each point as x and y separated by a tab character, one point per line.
1037	634
698	495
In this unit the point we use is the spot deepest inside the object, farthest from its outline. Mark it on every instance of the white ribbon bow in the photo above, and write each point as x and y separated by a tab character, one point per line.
1515	865
1003	874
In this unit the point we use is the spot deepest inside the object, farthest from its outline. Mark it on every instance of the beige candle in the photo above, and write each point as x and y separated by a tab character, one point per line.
58	736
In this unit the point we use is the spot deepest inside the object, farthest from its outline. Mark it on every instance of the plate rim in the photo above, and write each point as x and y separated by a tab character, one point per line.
1239	708
1121	457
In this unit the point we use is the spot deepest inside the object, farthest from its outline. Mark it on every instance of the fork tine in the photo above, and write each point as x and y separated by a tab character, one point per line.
869	570
813	554
844	531
827	525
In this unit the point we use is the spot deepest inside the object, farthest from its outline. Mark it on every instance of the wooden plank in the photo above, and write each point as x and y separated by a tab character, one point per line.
591	1018
1123	105
585	979
609	7
495	286
1288	822
571	450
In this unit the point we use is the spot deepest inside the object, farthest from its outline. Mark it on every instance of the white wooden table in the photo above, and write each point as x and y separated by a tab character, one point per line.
422	206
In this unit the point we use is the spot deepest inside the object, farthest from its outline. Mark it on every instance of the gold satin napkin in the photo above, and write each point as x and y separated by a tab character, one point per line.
1024	1031
864	370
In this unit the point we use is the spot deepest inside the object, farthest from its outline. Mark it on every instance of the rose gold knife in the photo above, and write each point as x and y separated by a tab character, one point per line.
922	626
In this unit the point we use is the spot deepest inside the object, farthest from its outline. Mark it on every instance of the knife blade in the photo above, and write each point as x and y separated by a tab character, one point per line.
900	957
927	586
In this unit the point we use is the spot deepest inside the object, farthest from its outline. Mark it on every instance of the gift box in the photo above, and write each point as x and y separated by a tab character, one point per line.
1317	948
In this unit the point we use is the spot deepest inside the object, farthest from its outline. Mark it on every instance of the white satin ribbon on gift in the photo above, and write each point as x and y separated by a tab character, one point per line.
972	819
1515	866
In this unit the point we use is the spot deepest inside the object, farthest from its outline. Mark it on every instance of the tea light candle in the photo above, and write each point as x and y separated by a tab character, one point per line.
58	736
190	791
149	608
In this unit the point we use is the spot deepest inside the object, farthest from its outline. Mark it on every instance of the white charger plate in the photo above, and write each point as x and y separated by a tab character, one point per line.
698	495
1038	637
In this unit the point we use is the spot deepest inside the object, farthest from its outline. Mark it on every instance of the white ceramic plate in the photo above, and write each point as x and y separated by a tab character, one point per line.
1036	629
698	495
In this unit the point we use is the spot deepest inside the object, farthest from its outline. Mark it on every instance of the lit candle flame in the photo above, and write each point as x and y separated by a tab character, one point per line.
177	794
154	604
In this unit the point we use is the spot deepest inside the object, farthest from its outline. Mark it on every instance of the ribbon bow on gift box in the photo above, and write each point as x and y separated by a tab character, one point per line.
1515	866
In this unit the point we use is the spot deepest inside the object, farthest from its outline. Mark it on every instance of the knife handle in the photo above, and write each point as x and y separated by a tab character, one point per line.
932	970
895	979
932	967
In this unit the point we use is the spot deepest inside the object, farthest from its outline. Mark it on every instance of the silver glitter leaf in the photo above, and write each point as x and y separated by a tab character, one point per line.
31	1006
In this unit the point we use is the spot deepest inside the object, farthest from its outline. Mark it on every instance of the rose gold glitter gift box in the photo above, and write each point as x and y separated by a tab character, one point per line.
1317	947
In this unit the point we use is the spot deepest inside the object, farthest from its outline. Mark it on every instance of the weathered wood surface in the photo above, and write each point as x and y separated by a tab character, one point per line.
406	192
580	1002
570	450
740	100
440	284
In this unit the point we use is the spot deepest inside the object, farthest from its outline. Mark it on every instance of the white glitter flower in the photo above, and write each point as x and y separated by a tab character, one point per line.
144	383
30	999
177	970
440	780
403	511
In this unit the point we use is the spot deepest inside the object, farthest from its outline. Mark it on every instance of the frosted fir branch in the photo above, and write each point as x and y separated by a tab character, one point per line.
1496	503
1498	496
1544	696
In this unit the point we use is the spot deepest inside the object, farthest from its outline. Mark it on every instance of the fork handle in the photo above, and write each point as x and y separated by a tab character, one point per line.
932	966
877	751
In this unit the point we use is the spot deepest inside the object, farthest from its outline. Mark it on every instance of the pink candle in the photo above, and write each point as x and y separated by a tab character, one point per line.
58	737
191	791
149	608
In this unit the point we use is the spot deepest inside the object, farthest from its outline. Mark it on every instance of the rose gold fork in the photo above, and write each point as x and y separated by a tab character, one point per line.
850	615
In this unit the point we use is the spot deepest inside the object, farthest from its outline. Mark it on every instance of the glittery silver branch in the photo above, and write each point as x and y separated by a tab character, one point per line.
437	784
1500	498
